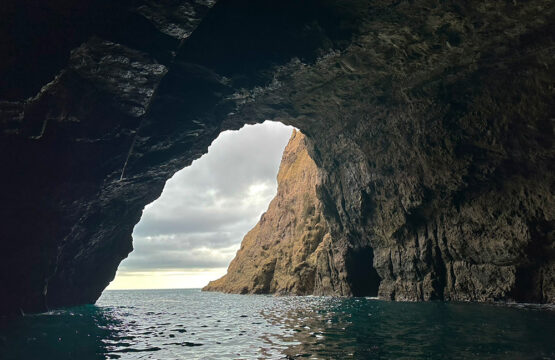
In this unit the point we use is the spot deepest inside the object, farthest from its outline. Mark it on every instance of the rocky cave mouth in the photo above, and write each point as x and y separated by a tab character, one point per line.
432	127
188	235
367	280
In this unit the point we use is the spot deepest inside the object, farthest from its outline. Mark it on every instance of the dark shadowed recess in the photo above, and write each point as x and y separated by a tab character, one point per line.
528	283
244	39
364	279
36	38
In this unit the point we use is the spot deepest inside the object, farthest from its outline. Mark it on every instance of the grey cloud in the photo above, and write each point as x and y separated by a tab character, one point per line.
215	241
192	222
173	260
207	208
183	252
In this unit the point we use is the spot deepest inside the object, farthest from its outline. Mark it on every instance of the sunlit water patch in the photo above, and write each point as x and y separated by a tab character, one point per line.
189	324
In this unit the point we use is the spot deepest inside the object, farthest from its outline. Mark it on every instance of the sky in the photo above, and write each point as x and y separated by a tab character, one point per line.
191	233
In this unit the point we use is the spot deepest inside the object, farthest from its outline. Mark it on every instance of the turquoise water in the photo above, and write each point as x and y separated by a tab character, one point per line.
189	324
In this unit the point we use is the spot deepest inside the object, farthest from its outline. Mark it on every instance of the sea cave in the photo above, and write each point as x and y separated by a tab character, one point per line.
422	167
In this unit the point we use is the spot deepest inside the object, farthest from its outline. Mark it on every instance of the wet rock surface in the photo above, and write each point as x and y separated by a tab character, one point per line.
431	125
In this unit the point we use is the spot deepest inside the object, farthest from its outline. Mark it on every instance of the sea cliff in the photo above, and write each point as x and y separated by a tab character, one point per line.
289	249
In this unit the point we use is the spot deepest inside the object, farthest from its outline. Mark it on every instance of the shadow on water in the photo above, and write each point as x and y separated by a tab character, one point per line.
76	333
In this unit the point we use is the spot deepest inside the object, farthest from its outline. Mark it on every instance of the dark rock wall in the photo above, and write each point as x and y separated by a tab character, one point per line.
432	122
440	157
71	190
440	154
435	128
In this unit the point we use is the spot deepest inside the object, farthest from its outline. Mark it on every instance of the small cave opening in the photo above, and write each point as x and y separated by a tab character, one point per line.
364	280
529	276
190	234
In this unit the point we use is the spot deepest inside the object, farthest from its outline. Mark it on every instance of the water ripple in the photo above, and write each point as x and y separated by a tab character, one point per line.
189	324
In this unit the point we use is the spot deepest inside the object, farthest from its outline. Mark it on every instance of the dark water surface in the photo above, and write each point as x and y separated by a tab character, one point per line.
189	324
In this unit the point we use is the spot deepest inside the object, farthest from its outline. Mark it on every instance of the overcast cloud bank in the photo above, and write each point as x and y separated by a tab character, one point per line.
205	210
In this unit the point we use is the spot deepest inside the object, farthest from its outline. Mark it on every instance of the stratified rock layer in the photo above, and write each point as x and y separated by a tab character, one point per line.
289	251
431	124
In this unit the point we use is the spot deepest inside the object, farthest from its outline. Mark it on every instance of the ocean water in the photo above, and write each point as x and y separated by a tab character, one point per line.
190	324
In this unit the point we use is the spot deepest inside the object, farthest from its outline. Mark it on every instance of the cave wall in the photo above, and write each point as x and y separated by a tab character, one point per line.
440	157
432	123
71	190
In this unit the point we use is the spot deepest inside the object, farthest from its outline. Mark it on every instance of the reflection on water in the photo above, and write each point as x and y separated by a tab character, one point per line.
370	329
188	324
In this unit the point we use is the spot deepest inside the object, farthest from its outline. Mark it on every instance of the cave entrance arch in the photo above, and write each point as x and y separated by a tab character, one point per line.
189	235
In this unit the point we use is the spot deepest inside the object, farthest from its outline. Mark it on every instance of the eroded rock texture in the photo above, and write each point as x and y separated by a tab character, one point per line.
431	123
440	155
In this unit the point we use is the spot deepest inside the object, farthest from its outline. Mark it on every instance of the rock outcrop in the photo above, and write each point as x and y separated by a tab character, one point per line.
431	124
289	251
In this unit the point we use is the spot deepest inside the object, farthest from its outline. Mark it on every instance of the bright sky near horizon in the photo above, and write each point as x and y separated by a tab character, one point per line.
190	234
